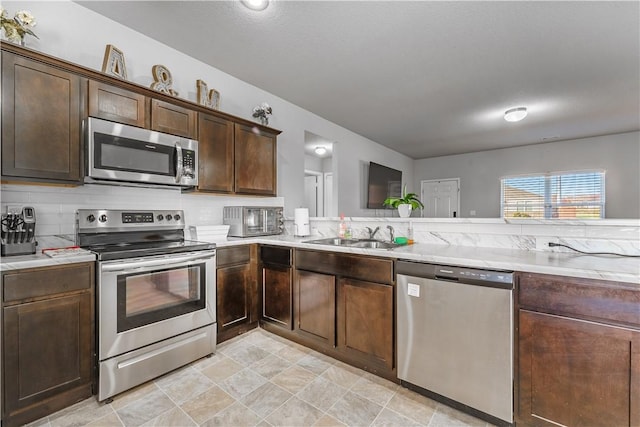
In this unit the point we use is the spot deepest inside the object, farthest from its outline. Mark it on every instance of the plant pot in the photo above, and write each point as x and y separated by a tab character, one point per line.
404	211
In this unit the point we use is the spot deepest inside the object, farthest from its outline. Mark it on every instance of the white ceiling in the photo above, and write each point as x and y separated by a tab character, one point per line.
423	78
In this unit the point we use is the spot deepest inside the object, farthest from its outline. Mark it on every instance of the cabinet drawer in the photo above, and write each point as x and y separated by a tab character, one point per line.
358	267
234	255
273	255
39	282
587	298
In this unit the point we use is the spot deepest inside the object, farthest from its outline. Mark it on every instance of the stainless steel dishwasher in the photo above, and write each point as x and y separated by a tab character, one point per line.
455	335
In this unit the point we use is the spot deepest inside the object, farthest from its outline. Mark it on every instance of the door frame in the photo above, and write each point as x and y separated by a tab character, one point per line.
426	181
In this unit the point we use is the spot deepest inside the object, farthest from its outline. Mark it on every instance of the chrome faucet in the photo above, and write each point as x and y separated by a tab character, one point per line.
372	232
391	233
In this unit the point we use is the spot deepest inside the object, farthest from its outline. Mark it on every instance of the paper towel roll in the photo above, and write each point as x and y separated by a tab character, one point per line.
301	221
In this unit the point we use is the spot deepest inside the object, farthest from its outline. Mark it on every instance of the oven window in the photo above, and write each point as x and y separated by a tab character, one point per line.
149	297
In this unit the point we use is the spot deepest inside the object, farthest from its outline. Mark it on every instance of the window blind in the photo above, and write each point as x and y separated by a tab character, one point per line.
566	195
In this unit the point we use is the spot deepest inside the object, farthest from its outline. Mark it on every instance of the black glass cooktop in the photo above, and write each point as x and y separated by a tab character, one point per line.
123	250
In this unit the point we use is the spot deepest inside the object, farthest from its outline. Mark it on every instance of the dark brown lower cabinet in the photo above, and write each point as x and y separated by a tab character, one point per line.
315	306
277	289
48	340
236	291
578	352
365	321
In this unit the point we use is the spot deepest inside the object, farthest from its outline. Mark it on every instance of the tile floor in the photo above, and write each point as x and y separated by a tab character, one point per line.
260	379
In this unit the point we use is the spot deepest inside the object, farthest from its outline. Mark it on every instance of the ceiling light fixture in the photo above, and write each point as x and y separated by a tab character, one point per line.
255	4
320	151
515	114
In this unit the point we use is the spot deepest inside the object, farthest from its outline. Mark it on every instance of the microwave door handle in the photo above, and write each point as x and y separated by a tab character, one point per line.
179	163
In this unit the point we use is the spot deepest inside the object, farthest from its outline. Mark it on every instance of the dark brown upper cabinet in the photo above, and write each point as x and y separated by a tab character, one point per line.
41	115
118	105
170	118
215	151
255	161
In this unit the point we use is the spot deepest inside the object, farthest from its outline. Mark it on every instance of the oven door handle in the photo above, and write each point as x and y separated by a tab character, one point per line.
163	262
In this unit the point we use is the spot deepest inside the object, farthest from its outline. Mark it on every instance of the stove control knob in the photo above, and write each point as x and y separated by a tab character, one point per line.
160	217
176	217
103	218
169	217
91	218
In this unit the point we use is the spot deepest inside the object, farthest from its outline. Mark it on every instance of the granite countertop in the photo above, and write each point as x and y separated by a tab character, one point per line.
40	260
621	269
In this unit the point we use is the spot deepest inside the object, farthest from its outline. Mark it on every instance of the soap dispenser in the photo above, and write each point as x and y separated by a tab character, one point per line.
342	227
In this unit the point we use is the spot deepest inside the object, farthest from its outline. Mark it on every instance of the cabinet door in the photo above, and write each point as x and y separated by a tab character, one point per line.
577	373
47	348
255	161
118	105
234	286
41	113
276	295
170	118
365	321
215	151
315	306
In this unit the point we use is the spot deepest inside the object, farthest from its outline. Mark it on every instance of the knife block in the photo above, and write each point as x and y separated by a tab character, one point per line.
26	248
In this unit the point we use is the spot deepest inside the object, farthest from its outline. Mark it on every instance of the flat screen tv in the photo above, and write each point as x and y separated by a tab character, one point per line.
383	182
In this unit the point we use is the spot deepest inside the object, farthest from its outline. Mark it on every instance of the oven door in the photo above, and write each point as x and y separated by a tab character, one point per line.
142	301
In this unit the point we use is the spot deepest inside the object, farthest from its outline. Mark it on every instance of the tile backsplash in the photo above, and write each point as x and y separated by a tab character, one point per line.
56	206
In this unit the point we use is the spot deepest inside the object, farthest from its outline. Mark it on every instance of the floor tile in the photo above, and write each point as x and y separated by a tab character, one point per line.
247	355
291	354
187	386
242	383
449	417
314	363
294	413
236	415
412	405
175	417
80	414
389	418
123	399
222	370
355	410
293	379
109	420
341	376
328	421
377	392
321	393
265	399
205	362
270	366
208	404
145	409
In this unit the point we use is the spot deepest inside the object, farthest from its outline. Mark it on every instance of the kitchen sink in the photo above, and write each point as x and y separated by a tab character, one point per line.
354	243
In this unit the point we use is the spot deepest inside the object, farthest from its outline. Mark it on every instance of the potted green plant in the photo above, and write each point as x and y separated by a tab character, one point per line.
404	204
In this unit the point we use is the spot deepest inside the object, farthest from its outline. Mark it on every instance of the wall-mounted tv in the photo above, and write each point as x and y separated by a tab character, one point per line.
383	182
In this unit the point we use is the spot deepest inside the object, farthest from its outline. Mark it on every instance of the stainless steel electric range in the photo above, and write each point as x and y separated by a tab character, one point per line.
156	294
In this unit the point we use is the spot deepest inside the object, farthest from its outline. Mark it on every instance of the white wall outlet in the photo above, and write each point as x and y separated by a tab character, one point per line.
472	213
14	209
542	243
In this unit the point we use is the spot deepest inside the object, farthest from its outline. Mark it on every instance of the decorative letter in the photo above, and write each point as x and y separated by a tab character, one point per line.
162	80
206	97
113	62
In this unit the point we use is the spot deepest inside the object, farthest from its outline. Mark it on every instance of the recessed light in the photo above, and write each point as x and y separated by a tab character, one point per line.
515	114
255	4
320	151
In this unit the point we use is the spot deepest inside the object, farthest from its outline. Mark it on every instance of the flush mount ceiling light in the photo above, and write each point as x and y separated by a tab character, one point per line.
255	4
320	151
515	114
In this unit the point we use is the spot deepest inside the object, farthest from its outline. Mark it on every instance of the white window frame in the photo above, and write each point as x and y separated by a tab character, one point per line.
549	206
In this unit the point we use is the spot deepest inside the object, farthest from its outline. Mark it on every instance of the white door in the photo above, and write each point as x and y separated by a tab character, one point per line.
328	195
311	194
440	198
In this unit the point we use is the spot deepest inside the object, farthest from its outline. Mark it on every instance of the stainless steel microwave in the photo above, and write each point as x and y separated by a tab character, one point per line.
118	152
248	221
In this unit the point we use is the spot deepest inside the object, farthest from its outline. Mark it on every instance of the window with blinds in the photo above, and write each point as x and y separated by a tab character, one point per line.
560	195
